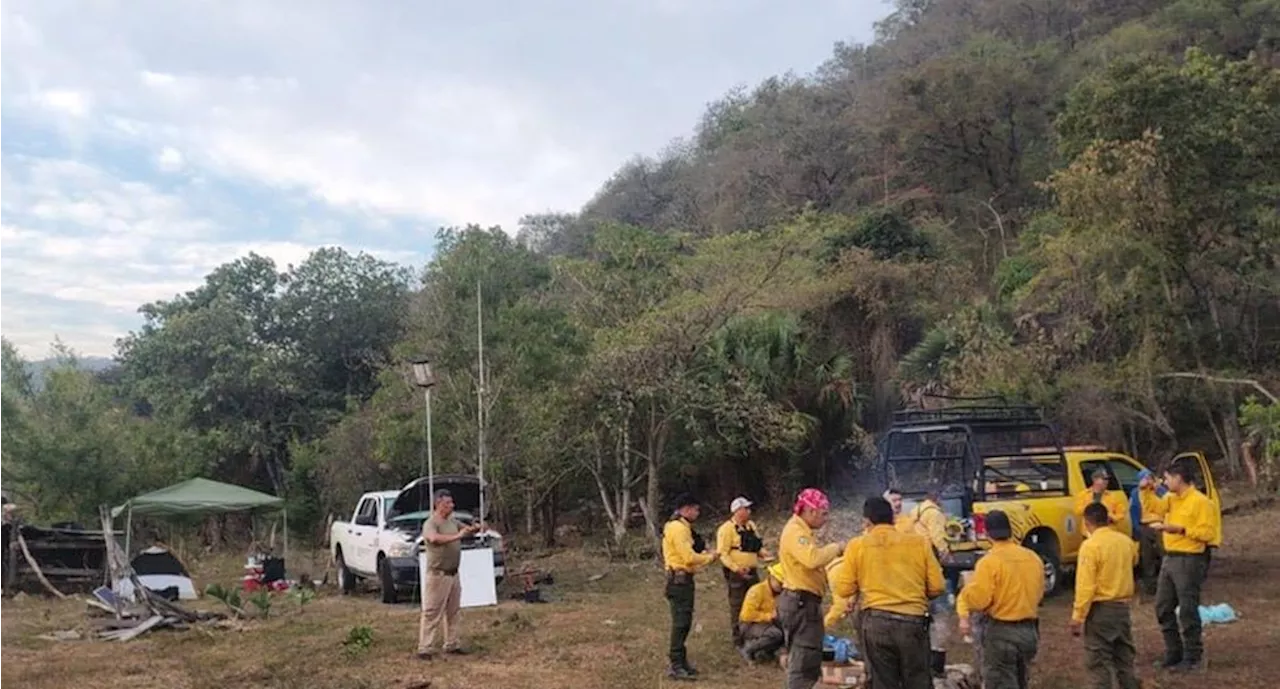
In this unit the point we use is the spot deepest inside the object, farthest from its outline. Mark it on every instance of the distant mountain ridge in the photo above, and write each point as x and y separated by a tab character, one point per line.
93	364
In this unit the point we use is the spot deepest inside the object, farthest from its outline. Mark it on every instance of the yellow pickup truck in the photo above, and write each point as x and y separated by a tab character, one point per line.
976	459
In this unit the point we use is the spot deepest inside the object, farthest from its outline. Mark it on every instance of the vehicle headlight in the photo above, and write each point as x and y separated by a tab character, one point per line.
399	549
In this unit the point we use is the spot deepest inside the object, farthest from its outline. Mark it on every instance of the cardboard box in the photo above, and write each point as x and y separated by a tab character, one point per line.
850	675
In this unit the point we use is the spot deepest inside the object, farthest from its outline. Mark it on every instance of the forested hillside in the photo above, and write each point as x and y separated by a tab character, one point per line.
1074	203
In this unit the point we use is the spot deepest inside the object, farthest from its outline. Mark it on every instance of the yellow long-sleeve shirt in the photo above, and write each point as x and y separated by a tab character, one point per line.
1195	513
1007	584
677	548
760	605
729	547
928	520
803	561
837	578
1104	571
1216	514
1152	506
893	571
1117	505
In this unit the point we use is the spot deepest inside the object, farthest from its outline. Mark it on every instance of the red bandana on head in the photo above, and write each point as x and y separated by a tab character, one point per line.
812	498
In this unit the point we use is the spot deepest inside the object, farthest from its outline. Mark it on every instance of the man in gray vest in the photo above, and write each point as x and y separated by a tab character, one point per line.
442	595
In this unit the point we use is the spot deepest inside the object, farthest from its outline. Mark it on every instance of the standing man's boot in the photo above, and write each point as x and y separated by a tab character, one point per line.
679	673
938	663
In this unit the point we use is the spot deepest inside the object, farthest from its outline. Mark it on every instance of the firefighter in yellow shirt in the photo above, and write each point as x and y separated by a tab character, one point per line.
894	575
1007	586
804	581
683	554
1117	505
1146	507
1104	588
901	521
762	635
837	579
1190	526
740	548
927	519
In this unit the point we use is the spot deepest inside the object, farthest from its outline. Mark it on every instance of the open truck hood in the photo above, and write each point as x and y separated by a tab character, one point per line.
416	495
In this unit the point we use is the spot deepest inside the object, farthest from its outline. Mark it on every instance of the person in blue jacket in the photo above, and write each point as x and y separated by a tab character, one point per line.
1142	512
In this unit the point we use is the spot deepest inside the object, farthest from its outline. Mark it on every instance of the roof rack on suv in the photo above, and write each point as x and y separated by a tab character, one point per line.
971	414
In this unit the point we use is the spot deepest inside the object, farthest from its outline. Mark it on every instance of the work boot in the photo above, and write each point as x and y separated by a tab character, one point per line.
1188	666
938	663
1169	662
689	668
746	655
680	673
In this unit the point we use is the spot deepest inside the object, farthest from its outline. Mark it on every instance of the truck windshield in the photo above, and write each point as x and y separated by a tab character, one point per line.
927	460
974	462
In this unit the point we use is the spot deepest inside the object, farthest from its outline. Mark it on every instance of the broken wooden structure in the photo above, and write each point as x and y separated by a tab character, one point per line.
122	620
59	557
125	621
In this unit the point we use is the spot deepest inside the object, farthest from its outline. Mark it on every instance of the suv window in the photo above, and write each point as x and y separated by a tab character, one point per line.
1125	472
367	513
1088	467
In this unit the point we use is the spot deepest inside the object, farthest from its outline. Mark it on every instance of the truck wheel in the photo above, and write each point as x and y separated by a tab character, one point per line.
1052	567
346	580
386	582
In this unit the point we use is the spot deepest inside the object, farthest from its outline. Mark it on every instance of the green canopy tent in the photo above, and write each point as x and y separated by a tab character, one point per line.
200	496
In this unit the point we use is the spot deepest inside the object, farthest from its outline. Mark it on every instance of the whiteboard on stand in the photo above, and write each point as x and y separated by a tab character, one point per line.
475	573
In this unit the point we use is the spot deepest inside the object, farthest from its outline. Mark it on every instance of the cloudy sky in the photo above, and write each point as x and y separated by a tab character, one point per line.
147	141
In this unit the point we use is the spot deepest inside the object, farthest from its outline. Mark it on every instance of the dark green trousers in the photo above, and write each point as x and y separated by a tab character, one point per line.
895	649
801	616
1108	646
1149	560
737	587
1007	651
760	641
1178	606
680	599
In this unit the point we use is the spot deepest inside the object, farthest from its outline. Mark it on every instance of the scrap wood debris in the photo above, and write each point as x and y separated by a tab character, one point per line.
131	620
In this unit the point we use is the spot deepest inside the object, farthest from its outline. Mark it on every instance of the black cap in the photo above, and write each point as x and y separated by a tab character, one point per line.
998	526
687	500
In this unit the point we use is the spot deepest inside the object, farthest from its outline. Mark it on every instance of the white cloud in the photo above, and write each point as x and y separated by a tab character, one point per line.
170	159
92	248
432	111
335	121
65	101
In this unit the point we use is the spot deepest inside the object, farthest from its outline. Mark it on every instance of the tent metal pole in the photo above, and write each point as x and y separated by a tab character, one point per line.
128	530
286	539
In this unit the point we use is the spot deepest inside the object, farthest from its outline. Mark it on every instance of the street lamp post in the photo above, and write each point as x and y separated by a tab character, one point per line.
424	378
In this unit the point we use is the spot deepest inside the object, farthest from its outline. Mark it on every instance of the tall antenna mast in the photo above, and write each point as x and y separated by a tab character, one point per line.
480	390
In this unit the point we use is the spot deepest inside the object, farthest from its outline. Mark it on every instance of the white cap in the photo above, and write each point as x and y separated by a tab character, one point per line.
739	503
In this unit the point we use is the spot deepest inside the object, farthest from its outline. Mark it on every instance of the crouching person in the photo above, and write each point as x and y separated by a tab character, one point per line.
761	633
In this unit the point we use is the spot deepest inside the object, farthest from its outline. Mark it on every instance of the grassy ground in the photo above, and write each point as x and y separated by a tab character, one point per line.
605	633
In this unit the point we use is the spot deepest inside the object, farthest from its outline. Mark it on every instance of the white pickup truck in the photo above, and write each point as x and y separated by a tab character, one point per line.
384	536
